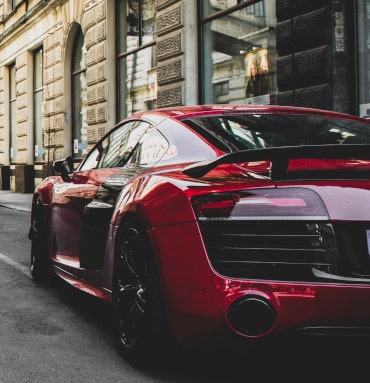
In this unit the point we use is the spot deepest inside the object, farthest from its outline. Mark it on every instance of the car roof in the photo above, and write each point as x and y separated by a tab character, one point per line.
188	111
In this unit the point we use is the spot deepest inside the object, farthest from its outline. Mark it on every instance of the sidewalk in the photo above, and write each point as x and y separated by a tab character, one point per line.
16	201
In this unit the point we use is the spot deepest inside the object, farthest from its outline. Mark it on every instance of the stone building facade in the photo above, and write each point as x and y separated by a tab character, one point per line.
316	59
60	66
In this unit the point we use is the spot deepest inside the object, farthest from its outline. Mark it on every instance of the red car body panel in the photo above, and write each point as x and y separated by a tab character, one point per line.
197	297
296	304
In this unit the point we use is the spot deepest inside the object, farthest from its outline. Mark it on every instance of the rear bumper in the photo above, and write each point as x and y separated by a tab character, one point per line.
203	304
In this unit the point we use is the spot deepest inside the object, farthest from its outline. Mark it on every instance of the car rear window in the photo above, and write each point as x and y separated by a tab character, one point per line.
252	131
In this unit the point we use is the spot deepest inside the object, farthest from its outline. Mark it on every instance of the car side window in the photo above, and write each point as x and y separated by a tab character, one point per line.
91	160
117	147
151	148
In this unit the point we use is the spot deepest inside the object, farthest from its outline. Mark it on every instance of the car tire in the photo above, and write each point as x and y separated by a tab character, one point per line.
39	266
140	322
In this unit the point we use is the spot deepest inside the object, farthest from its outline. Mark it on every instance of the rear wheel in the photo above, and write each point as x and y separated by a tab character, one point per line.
140	322
39	265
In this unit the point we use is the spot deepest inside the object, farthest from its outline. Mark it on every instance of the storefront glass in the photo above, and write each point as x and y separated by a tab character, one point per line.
136	56
238	51
363	7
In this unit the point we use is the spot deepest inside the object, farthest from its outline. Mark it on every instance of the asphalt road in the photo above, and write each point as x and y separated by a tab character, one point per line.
56	334
16	201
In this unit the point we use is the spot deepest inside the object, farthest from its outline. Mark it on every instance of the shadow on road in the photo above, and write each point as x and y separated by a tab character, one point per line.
292	358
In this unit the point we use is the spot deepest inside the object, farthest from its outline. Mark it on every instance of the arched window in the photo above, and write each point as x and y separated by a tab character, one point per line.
78	97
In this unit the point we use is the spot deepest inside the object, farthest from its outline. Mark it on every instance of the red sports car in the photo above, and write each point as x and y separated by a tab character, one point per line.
210	222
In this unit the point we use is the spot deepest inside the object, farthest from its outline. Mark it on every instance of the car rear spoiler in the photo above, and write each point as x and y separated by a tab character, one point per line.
279	157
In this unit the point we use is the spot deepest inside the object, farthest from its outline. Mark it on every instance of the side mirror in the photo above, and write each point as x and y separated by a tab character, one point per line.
64	167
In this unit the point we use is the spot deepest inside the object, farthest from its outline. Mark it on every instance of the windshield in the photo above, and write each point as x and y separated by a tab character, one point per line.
252	131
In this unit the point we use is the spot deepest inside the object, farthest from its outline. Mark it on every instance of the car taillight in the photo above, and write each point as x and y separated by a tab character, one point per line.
272	204
213	205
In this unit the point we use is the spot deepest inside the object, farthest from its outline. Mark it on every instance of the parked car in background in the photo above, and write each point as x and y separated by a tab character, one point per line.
215	222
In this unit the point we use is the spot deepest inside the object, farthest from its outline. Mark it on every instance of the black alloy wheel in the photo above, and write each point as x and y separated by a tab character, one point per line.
138	310
39	266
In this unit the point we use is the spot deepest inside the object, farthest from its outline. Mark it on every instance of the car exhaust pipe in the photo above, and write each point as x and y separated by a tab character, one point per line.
252	316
